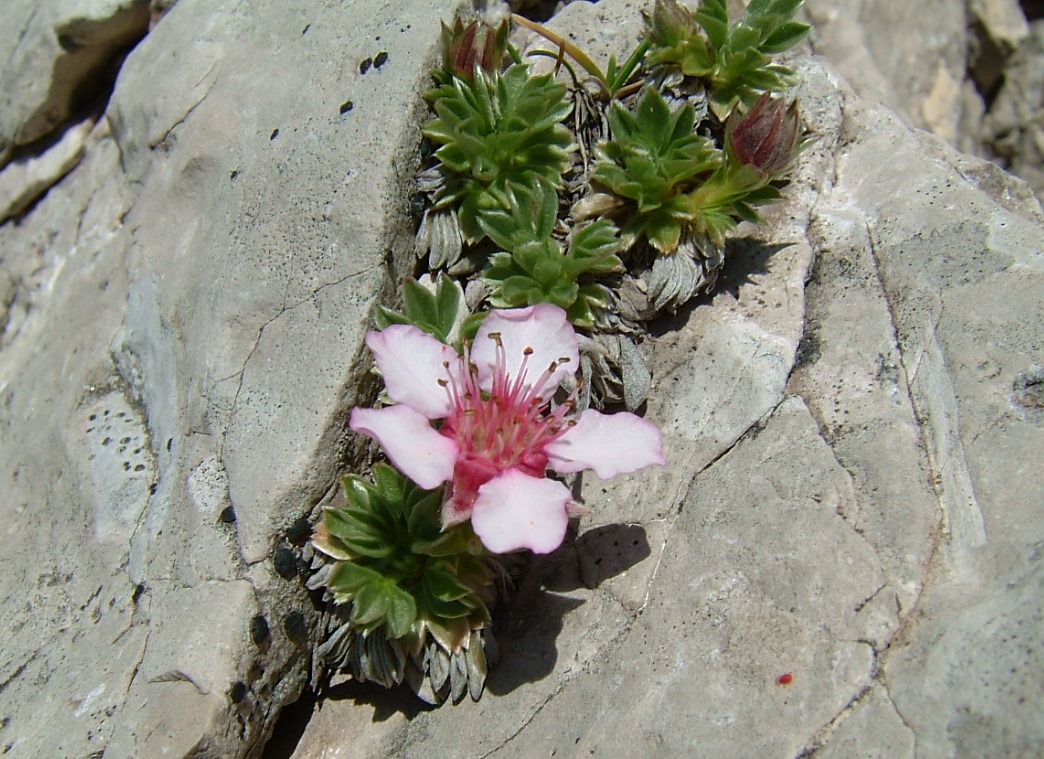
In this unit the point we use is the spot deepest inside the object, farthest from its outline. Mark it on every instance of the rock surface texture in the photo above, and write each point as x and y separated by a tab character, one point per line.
853	424
182	315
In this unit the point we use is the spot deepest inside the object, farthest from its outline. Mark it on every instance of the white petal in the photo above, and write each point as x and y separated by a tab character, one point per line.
412	363
416	450
610	444
514	510
541	330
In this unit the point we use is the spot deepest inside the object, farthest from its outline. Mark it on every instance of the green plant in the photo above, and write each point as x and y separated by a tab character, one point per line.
760	146
405	577
734	60
652	159
533	267
492	130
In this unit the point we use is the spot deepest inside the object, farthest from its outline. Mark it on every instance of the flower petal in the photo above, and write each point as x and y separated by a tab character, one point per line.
543	330
514	510
412	363
416	450
610	444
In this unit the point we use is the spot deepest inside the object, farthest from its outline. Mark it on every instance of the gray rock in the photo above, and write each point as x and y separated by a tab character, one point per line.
56	55
850	494
911	56
183	323
23	182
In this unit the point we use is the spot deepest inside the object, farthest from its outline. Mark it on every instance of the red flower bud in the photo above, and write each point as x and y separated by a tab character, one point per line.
477	44
766	136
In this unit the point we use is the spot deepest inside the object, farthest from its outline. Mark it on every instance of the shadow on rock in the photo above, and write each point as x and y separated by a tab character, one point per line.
745	257
385	701
527	630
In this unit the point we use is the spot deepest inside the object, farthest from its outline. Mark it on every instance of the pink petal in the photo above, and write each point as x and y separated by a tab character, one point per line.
610	444
412	363
514	510
542	329
416	450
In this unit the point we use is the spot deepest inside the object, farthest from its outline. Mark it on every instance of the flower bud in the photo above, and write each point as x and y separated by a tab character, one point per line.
766	137
477	44
669	24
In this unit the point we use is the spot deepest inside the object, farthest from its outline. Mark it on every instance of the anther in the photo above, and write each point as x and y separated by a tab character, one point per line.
528	351
442	382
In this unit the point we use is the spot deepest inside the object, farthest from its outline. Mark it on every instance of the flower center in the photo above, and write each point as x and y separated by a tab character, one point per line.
509	425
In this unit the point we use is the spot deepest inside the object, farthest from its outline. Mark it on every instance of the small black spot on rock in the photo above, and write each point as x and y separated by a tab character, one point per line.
295	627
234	175
237	692
170	442
299	532
259	631
347	106
227	515
381	59
305	30
106	441
275	133
285	562
139	591
364	66
92	417
139	467
153	488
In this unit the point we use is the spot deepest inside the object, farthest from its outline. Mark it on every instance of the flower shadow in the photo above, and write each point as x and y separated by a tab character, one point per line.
529	628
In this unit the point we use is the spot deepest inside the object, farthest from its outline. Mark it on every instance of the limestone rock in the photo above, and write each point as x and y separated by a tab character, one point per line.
56	54
23	181
182	339
911	56
852	420
850	497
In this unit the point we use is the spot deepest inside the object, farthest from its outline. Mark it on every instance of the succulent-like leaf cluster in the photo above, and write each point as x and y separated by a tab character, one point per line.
496	129
697	133
653	159
404	576
533	268
734	60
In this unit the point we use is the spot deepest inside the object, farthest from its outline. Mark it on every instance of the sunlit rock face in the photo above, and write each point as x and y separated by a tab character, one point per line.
851	422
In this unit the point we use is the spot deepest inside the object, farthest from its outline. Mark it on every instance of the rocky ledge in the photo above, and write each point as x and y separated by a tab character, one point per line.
842	555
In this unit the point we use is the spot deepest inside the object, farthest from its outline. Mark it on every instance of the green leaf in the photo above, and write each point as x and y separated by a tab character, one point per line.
347	578
713	16
447	305
497	128
785	37
391	486
420	305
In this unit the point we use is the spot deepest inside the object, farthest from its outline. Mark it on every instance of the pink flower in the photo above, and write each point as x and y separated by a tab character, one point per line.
495	434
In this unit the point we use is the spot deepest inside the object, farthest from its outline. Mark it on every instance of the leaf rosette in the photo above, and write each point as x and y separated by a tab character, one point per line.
533	268
653	158
404	576
734	60
497	129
